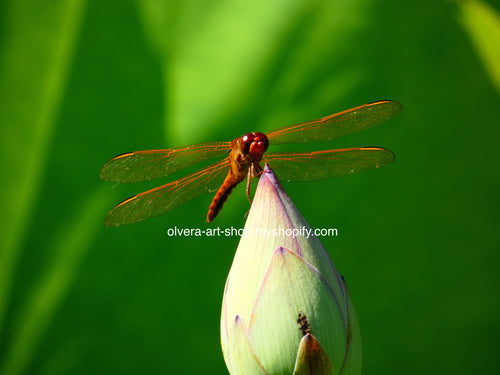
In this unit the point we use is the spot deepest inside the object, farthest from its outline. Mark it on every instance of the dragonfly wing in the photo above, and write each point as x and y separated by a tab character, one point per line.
334	126
319	165
160	200
148	165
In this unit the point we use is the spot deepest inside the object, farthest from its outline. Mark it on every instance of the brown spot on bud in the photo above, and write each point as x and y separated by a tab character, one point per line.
303	324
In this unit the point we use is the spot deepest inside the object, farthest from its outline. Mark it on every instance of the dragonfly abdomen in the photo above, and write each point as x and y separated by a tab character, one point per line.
221	196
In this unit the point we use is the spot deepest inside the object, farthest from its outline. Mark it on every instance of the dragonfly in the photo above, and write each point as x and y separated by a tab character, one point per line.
242	159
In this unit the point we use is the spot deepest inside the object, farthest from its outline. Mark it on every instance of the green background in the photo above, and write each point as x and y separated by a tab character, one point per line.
82	81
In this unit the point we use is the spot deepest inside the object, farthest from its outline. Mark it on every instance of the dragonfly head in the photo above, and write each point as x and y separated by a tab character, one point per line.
255	144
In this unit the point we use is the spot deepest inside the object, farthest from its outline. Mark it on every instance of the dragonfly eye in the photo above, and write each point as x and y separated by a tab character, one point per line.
255	143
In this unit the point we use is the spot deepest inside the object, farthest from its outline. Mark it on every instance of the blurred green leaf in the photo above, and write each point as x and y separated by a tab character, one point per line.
47	295
38	44
482	23
234	58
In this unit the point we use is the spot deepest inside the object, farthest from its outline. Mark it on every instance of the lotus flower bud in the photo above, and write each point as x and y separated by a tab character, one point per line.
285	309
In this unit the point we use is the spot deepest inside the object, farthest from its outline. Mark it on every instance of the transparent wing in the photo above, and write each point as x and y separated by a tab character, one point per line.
148	165
160	200
319	165
334	126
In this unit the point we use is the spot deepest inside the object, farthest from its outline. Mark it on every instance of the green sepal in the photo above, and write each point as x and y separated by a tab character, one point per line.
291	286
243	357
353	355
312	358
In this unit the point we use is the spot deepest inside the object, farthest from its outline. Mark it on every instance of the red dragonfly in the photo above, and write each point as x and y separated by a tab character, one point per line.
245	155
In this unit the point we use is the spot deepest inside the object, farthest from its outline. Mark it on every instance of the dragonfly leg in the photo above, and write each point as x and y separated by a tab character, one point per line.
249	181
254	170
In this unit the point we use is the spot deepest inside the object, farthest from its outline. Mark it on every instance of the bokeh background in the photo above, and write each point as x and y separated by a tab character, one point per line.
82	81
